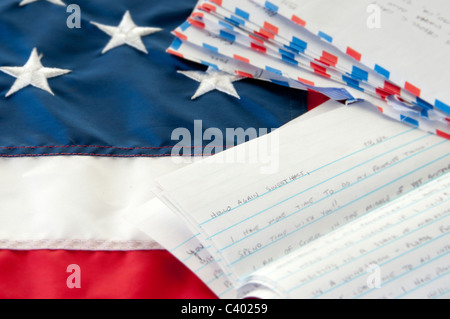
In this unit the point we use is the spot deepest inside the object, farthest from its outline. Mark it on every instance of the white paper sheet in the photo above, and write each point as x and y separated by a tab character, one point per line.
157	221
330	170
400	250
412	41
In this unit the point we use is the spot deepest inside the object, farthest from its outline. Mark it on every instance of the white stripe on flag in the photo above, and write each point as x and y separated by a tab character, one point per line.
76	202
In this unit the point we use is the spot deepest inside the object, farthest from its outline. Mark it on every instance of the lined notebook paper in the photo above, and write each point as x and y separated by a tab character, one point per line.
157	220
328	176
400	250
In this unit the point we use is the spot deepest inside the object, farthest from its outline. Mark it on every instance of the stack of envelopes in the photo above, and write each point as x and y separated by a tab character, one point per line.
301	44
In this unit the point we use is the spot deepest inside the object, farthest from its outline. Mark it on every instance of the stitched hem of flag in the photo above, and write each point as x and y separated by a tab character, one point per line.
78	244
107	151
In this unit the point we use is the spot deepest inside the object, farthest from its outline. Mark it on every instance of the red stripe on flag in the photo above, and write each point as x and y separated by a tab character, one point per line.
180	35
354	54
258	48
380	109
297	20
412	89
244	74
270	27
196	23
315	99
218	2
391	88
241	58
153	274
443	134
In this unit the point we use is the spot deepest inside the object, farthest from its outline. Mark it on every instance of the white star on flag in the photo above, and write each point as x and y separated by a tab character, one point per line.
58	2
213	79
32	73
126	33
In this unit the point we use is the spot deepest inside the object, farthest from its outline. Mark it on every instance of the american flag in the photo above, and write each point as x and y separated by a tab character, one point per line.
89	99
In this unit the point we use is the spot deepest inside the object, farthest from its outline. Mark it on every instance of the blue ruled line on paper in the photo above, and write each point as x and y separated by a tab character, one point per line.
312	187
426	283
395	258
375	234
442	294
196	252
289	234
385	263
318	169
185	242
